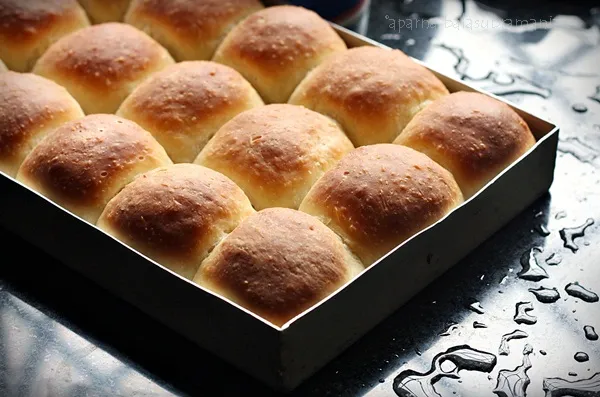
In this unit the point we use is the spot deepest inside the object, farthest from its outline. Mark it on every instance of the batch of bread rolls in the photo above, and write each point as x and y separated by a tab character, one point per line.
244	147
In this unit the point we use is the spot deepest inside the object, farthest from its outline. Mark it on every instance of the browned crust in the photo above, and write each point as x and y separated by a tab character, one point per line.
472	135
83	161
103	57
189	98
30	106
278	46
189	27
372	92
178	212
276	152
277	263
377	196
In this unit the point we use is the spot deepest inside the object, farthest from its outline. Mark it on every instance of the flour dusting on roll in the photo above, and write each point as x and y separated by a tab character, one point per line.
176	214
378	196
276	47
30	107
102	64
276	152
29	27
84	163
472	135
372	92
278	263
186	103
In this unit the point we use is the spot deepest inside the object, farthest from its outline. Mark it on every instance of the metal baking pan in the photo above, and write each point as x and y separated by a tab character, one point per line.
284	357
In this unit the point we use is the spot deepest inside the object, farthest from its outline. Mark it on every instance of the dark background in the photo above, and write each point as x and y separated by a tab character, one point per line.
61	335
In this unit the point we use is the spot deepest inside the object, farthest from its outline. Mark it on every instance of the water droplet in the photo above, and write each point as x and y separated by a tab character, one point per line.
451	328
504	349
477	308
572	373
538	214
545	295
522	316
590	332
410	42
577	291
557	387
382	380
418	351
514	383
580	108
569	234
477	324
532	271
560	215
581	357
554	259
596	96
543	352
542	230
503	281
410	383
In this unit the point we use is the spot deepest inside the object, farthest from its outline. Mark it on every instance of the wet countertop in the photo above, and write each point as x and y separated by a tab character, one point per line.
517	317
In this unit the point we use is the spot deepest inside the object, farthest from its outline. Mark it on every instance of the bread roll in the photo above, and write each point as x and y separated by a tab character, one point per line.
82	164
275	152
176	214
101	11
276	47
30	107
278	263
185	104
372	92
189	29
29	27
380	195
102	64
472	135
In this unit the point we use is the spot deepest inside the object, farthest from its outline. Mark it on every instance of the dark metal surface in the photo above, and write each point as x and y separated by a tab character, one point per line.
60	335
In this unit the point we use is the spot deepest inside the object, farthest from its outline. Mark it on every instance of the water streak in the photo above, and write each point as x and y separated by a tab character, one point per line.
504	349
569	234
514	383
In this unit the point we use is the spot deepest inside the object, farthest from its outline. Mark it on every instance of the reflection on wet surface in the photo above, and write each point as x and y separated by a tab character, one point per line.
548	66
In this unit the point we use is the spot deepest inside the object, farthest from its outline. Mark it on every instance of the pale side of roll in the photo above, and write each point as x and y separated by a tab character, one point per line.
84	163
185	104
276	152
277	263
378	196
30	107
276	47
372	92
102	64
176	214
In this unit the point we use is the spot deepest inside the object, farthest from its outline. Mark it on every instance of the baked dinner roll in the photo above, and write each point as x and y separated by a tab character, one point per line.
30	107
29	27
185	104
278	263
101	11
101	65
82	164
372	92
472	135
276	152
189	29
276	47
378	196
176	214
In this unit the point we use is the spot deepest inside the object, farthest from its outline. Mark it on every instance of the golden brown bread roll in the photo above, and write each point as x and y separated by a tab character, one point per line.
30	107
102	64
378	196
472	135
82	164
176	214
276	152
278	263
185	104
29	27
101	11
276	47
189	29
372	92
